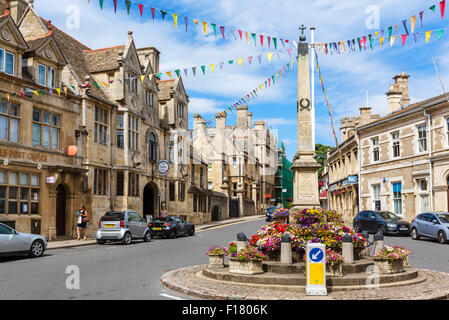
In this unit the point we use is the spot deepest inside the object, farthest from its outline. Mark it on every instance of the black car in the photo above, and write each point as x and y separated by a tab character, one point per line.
385	222
171	227
269	213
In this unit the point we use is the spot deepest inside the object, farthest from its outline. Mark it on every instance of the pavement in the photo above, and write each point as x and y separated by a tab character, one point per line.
77	243
190	281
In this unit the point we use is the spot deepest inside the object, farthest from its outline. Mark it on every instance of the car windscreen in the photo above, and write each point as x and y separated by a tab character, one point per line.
388	215
272	209
443	217
162	220
114	216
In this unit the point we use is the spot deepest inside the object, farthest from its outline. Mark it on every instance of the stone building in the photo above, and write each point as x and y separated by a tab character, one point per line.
240	159
404	162
39	183
108	103
342	166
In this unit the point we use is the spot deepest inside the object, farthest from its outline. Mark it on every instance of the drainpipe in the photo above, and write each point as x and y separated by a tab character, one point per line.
429	124
111	175
359	173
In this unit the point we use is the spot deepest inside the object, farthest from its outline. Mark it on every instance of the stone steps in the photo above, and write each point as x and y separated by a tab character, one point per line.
295	281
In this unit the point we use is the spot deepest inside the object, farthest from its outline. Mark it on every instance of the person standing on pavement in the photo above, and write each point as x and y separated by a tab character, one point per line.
164	211
82	221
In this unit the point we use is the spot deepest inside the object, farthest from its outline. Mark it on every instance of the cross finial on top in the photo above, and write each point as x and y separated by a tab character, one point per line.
302	38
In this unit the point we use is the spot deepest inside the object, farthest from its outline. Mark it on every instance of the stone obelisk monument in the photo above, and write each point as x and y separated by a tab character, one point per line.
305	167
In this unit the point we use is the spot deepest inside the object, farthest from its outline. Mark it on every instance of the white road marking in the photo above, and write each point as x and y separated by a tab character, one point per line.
170	297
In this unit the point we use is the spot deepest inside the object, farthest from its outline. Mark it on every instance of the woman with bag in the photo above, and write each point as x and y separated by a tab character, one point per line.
82	221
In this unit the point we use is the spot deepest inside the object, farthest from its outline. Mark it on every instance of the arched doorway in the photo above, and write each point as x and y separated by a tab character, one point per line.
61	217
150	200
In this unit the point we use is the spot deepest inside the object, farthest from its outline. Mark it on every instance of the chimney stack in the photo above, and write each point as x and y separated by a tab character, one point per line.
198	122
398	95
221	121
250	120
242	117
365	115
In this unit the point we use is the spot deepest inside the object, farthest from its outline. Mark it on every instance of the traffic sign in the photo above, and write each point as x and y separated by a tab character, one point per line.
316	269
316	254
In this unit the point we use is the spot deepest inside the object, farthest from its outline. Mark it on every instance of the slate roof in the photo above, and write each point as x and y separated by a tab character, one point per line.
102	60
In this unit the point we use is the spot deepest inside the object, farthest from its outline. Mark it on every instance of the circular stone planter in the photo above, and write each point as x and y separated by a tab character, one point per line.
216	262
245	267
390	266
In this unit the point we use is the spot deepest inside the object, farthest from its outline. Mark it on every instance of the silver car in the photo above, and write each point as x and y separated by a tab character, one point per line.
13	242
124	226
433	225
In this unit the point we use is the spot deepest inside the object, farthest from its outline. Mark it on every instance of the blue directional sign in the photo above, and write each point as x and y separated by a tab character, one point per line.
316	255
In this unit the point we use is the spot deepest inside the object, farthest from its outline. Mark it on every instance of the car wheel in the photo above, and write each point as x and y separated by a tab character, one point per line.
101	242
147	237
172	234
381	229
357	228
37	249
127	239
415	234
192	231
442	237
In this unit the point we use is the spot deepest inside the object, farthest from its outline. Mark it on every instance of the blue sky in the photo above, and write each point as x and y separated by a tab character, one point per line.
347	77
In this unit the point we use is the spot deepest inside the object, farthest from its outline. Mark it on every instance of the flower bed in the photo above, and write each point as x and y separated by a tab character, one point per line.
246	261
217	251
281	213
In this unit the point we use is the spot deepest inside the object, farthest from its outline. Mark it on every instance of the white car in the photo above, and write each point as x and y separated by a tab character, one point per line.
13	242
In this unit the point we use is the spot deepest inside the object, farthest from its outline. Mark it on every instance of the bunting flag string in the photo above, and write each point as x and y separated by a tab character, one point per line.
205	25
334	48
240	62
325	96
331	47
255	93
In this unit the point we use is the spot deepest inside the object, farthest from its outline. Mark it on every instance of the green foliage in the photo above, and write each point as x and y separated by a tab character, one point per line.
321	155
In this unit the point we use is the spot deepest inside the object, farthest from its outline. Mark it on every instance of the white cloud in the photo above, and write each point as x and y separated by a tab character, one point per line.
203	106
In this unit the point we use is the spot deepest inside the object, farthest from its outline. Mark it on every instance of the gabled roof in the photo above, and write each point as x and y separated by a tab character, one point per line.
165	89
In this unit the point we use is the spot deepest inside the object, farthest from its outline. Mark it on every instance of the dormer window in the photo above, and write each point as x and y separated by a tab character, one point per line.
6	62
46	76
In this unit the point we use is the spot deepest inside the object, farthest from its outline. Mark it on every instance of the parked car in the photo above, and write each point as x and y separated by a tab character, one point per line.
171	227
13	242
433	225
124	226
385	222
269	213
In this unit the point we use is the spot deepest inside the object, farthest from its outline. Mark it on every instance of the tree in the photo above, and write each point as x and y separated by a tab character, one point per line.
321	155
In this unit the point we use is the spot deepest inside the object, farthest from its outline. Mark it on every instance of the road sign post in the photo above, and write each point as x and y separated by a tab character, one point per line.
316	269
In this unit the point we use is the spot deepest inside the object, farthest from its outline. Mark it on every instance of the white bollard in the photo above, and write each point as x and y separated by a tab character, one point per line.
347	250
286	250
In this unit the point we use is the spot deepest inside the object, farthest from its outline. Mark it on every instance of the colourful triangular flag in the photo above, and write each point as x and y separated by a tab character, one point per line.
101	4
404	38
205	27
270	56
203	68
440	33
240	61
175	20
428	33
442	6
141	9
413	22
